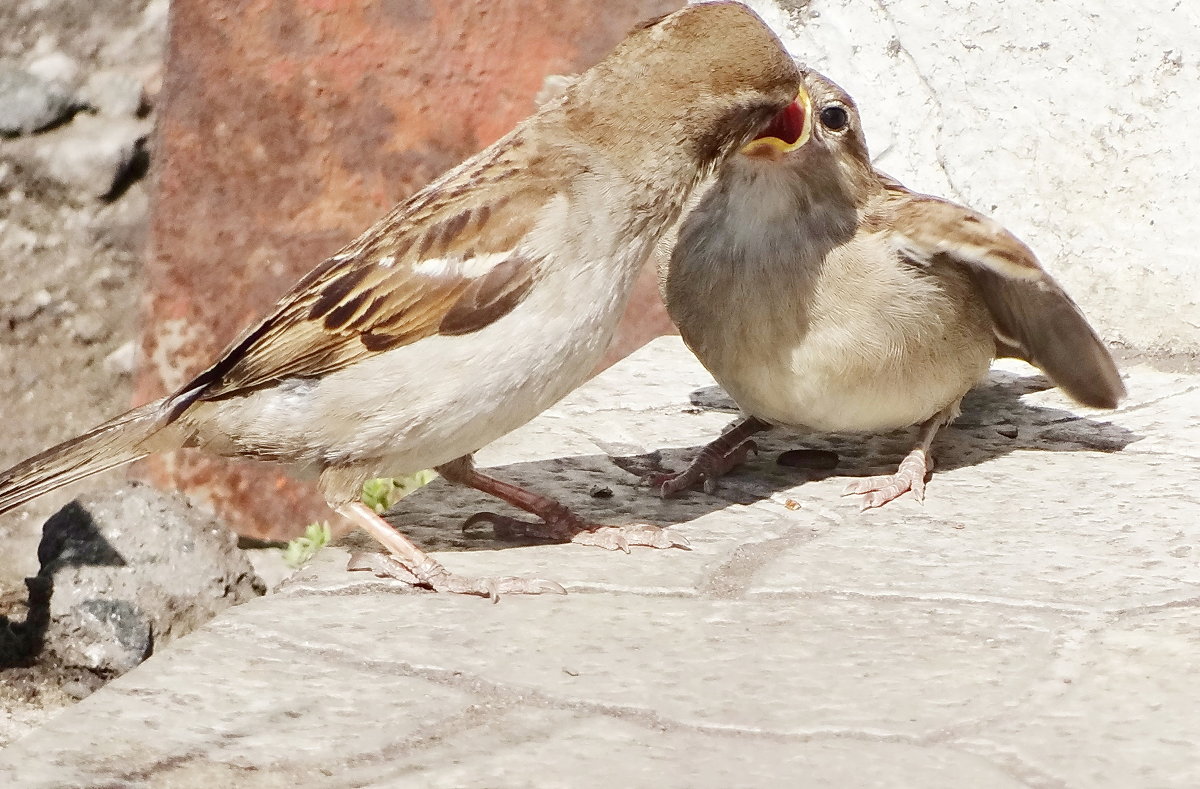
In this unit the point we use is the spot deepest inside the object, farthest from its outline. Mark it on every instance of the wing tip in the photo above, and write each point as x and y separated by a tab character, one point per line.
1104	391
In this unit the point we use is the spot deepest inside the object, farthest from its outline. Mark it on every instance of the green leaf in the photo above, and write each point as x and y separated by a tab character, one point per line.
382	493
301	550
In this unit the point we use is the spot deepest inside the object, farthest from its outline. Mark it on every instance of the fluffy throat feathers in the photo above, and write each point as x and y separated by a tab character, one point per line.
815	196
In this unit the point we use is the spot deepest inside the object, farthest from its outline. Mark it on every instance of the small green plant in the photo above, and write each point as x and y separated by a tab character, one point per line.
301	550
381	493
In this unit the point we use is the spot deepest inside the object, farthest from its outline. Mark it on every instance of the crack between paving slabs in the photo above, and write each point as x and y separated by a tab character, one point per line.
1155	453
1070	643
1066	663
1143	404
731	579
1131	612
471	717
378	586
932	597
507	698
512	698
1009	762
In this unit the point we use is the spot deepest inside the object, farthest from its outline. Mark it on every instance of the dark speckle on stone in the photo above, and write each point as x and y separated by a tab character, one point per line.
819	459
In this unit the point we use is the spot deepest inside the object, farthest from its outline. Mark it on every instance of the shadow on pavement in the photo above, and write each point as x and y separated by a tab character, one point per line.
613	489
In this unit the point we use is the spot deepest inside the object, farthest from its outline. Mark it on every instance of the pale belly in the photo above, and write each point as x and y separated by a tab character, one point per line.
817	389
896	355
430	402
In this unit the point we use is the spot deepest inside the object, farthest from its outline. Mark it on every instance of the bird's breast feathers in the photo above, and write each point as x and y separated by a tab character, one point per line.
846	339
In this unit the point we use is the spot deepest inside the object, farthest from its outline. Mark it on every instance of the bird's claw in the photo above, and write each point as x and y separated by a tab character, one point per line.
432	575
877	491
610	538
382	565
483	517
706	469
619	538
508	528
493	587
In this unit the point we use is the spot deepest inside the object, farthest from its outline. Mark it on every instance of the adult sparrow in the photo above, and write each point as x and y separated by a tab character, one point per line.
476	303
823	294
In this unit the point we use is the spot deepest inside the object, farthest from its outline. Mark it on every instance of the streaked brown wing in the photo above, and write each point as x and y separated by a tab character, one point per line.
440	263
1033	317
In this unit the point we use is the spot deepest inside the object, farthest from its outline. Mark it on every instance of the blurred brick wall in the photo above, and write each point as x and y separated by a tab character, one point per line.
287	127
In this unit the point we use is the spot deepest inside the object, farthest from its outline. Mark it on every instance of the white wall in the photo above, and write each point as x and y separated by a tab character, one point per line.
1074	122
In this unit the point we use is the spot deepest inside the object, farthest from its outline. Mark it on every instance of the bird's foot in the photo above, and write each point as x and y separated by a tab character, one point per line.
706	469
877	491
557	523
430	574
566	527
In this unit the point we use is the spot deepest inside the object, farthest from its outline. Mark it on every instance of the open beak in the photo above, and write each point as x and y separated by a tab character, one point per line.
788	131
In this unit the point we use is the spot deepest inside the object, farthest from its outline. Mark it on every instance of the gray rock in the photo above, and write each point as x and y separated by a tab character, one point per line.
113	93
89	328
121	360
154	17
55	67
124	573
27	308
29	103
94	154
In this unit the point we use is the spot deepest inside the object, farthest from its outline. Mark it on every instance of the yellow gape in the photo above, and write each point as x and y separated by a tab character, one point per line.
789	130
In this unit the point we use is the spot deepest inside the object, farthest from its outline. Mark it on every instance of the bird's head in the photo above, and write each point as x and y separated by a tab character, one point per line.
814	149
683	92
822	122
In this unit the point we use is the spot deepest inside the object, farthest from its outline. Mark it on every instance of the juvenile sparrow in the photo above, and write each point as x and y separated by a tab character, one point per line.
476	303
823	294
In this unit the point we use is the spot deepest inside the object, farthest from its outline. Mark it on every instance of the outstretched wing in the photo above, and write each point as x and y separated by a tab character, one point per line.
1033	317
448	261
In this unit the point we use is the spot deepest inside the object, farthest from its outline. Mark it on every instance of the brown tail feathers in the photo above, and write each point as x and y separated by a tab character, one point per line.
113	443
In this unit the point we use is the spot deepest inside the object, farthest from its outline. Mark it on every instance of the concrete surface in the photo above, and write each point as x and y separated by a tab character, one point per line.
1062	120
1035	623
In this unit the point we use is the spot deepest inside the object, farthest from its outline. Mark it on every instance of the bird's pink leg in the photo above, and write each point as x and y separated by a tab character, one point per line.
913	470
408	563
557	522
717	459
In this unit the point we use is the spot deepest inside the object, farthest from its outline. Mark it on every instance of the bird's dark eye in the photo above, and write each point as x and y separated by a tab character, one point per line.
834	117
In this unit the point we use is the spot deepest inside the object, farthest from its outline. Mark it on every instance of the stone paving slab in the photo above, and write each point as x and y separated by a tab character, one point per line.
1035	623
